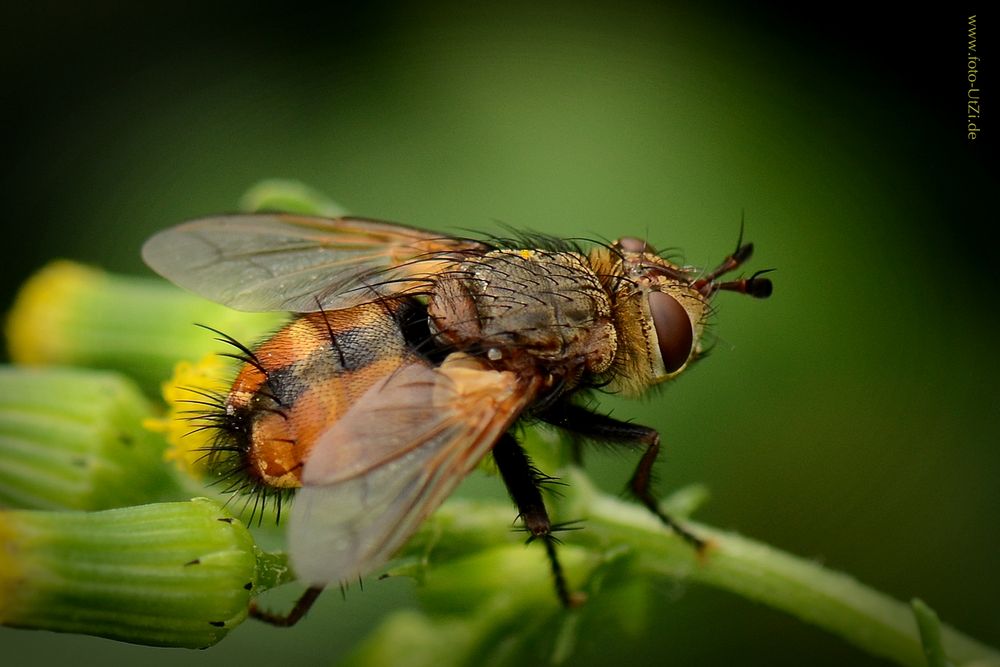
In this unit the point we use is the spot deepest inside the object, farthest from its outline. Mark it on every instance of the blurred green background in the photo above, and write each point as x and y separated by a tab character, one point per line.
852	418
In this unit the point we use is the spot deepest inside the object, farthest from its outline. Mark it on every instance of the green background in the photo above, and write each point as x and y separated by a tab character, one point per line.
851	418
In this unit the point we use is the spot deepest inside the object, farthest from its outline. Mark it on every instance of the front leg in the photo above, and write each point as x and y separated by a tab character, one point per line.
589	424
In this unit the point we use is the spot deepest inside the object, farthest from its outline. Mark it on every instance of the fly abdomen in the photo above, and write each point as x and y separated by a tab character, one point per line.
304	378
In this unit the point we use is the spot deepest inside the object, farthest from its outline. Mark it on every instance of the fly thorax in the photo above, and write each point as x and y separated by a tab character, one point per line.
519	307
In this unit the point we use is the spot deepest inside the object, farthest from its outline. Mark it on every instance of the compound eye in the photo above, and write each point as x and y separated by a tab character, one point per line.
633	244
674	332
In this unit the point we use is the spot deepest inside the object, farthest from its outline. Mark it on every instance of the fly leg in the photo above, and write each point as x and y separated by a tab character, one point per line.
302	605
581	421
523	483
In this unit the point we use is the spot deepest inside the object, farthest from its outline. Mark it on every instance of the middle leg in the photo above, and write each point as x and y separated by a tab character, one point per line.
523	482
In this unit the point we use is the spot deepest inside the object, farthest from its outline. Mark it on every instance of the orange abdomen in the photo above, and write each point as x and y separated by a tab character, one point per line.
304	378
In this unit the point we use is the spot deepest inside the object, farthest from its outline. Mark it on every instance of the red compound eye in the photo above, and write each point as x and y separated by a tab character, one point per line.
674	333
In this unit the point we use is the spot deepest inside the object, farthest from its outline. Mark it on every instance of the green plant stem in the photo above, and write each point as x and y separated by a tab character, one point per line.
930	634
831	600
872	621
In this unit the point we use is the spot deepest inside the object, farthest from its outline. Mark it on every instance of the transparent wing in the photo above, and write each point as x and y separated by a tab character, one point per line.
392	460
299	263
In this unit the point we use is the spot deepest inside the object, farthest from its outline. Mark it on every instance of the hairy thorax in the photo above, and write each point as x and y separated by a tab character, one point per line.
527	310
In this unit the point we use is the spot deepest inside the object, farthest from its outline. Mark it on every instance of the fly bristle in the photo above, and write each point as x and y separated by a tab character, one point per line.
519	239
225	455
229	340
232	475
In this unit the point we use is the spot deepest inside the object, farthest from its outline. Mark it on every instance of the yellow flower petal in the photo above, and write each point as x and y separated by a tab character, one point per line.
187	424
